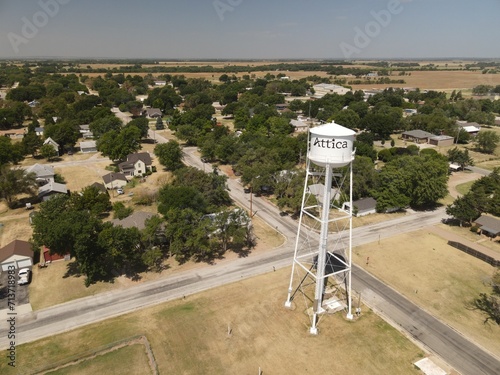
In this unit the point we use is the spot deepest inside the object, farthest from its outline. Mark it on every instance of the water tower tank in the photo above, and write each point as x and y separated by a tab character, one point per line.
331	144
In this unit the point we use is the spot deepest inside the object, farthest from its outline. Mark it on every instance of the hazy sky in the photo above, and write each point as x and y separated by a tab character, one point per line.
197	29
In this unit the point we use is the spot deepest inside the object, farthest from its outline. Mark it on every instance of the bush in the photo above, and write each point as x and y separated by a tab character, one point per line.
121	211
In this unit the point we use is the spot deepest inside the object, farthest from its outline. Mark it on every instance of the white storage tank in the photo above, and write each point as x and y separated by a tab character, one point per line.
331	144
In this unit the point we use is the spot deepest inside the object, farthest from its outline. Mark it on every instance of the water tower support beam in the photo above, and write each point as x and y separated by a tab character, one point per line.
323	244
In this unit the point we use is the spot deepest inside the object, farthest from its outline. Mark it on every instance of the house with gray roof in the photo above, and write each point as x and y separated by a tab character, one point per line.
44	173
50	189
114	180
417	136
88	146
136	165
136	219
489	225
362	207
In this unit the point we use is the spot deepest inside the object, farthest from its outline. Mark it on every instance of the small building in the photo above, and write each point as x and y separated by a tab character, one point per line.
321	89
13	133
318	191
18	253
153	112
50	189
362	207
88	146
136	165
441	140
44	173
39	131
100	187
49	257
50	141
489	225
160	83
417	136
299	126
114	180
472	128
136	219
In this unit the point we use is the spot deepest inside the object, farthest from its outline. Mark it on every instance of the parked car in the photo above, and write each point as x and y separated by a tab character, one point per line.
119	191
24	276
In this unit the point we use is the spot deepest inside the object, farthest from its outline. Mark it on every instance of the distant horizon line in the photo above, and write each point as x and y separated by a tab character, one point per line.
208	59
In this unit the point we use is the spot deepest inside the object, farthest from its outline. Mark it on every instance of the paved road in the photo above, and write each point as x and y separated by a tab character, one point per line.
456	350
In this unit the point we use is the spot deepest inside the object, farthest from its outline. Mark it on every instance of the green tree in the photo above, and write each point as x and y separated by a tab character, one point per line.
101	126
180	198
118	144
460	157
121	211
14	182
170	155
123	246
487	141
92	199
490	303
9	153
31	143
48	151
142	124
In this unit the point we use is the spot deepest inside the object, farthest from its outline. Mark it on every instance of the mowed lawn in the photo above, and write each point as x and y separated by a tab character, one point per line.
190	336
437	277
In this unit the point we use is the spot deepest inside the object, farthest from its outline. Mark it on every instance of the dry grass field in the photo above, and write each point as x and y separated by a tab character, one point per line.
437	277
191	337
434	80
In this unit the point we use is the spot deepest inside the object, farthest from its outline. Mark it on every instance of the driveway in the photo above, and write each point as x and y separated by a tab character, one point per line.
21	291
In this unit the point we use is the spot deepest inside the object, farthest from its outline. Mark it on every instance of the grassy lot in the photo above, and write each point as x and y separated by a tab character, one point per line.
436	276
465	187
127	360
191	336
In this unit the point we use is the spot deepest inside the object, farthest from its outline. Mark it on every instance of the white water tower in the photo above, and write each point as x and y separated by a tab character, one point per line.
321	269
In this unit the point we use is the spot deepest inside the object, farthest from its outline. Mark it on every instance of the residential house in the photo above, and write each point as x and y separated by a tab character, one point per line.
153	112
39	131
85	131
489	225
13	133
44	173
114	180
299	126
136	165
472	128
417	136
45	192
136	219
50	141
88	146
100	187
318	190
17	253
362	207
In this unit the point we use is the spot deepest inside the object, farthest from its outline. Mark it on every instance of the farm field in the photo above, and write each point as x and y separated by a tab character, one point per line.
191	336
